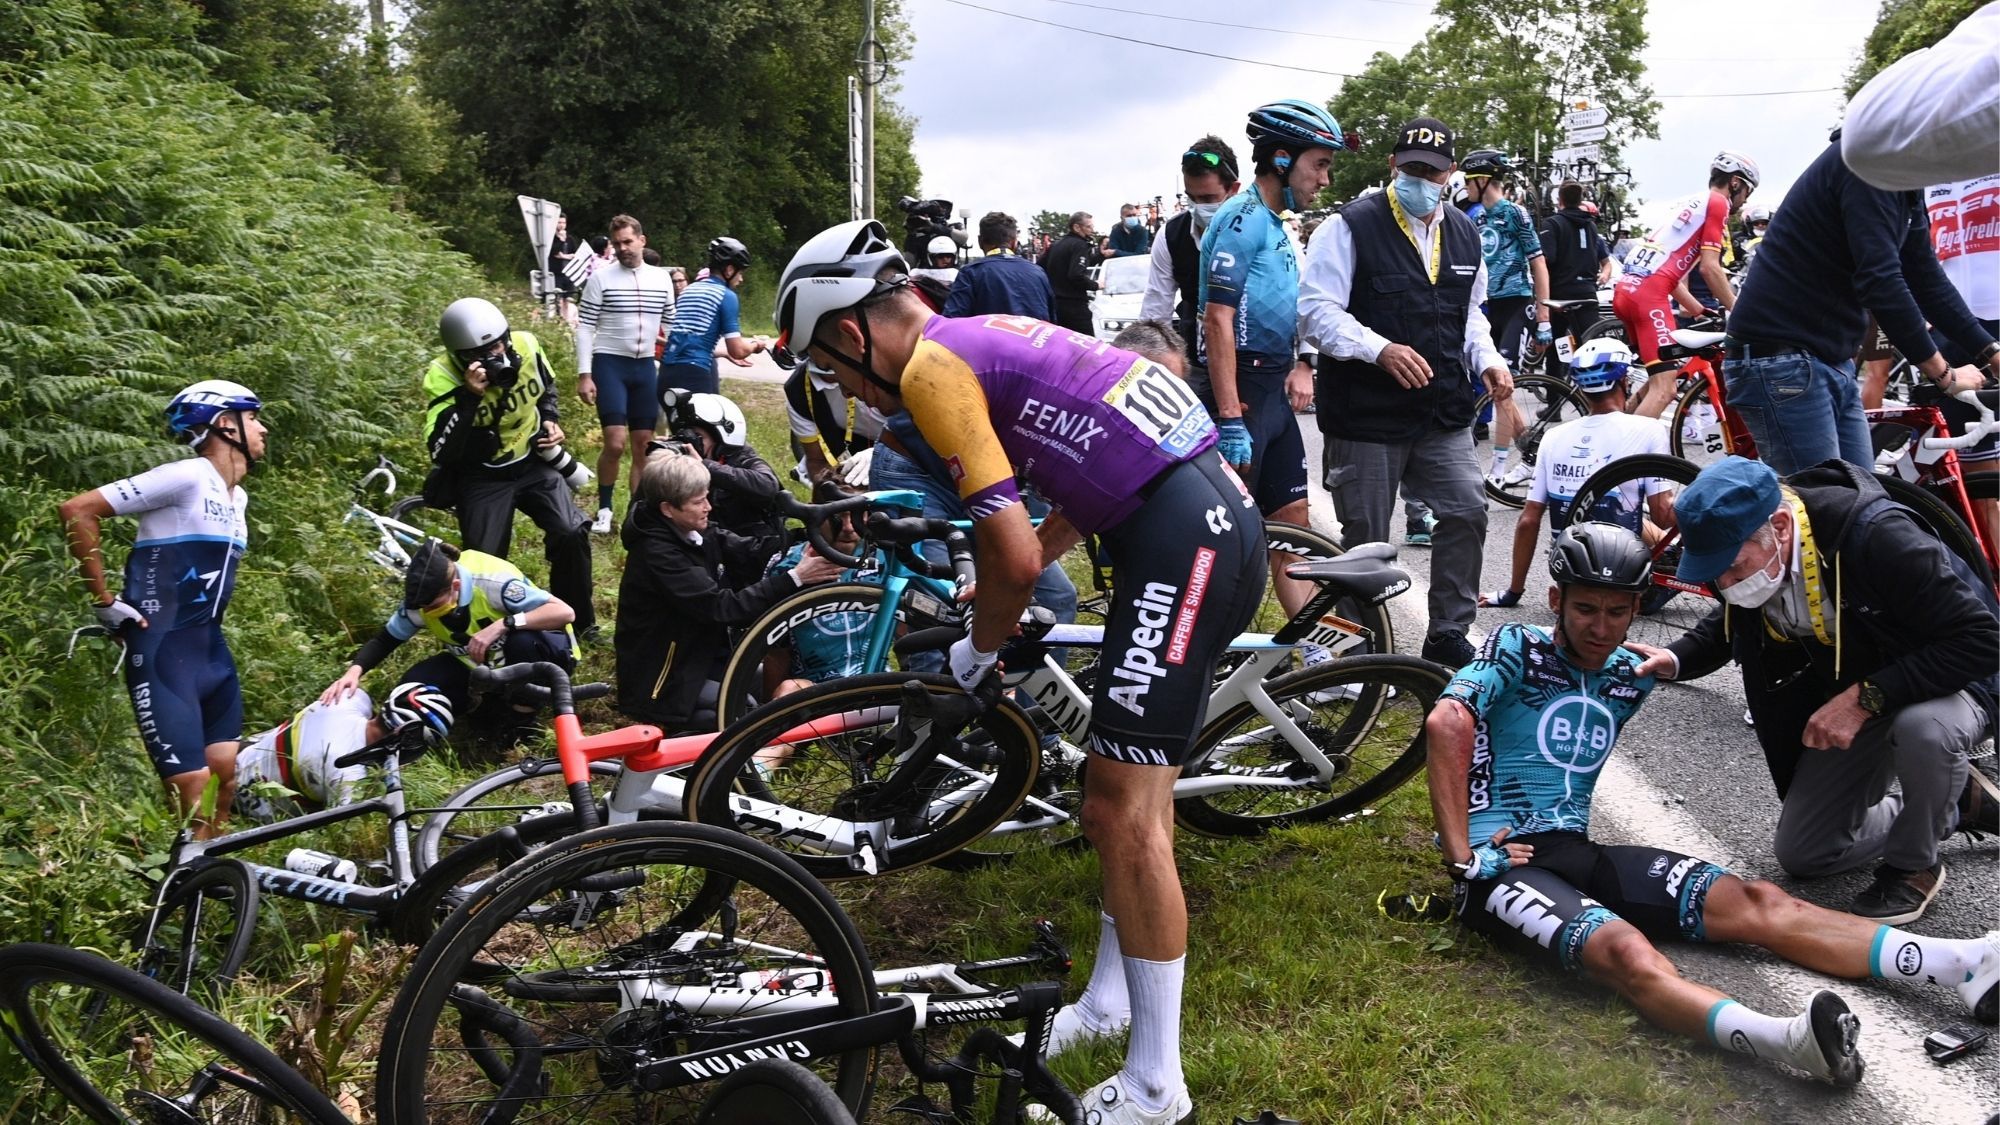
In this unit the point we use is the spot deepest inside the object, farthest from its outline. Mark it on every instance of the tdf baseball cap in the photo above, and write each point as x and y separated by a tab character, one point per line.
1423	140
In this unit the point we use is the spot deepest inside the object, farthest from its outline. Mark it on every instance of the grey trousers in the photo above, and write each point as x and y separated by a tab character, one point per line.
1839	813
1440	470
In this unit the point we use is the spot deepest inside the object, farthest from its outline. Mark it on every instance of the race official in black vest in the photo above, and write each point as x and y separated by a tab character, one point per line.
1173	279
1390	297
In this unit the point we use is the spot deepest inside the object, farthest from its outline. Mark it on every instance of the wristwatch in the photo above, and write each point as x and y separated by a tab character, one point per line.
1872	700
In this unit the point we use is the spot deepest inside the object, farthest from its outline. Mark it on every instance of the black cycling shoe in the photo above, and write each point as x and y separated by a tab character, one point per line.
1449	649
1836	1032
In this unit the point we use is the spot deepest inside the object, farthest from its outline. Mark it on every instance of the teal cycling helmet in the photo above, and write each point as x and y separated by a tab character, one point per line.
1294	124
1600	365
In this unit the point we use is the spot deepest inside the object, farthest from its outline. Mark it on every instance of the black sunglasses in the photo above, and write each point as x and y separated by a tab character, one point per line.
1195	163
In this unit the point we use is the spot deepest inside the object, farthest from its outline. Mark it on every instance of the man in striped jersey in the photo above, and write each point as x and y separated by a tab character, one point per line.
618	321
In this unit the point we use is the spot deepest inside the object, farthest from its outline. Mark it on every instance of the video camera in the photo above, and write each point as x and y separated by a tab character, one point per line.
923	220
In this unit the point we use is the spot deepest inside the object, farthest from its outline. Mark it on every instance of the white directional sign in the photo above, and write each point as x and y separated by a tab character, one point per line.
1576	154
1593	133
1585	118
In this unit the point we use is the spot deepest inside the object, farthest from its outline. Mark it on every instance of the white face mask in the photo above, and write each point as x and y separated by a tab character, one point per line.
1758	588
1203	212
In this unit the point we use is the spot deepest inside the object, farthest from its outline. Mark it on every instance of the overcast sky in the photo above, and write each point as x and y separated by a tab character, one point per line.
1018	116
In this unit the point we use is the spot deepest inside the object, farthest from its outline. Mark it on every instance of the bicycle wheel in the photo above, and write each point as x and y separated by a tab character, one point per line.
743	677
807	773
199	937
1365	714
1695	432
1601	328
1619	493
120	1048
518	1013
508	795
1307	545
1941	520
773	1092
1544	404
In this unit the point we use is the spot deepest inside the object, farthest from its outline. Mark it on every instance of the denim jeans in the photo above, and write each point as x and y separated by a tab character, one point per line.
1800	409
890	469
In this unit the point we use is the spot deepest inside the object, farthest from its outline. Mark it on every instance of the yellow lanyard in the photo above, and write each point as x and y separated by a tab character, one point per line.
1809	573
1437	236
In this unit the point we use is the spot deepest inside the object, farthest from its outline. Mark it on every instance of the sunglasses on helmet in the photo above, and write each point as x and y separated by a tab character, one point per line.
1195	163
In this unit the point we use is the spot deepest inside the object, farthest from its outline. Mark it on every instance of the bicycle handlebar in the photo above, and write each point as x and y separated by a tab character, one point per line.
1975	432
384	469
899	532
543	679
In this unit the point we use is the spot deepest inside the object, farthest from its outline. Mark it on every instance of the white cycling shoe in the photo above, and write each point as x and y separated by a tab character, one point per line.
602	524
1981	991
1520	472
1107	1103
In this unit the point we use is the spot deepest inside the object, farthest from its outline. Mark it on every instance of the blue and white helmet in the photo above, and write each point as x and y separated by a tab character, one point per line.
1600	365
195	409
1294	124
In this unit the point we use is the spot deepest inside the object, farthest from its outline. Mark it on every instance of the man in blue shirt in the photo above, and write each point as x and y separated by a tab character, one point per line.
1518	742
1001	281
1130	236
705	314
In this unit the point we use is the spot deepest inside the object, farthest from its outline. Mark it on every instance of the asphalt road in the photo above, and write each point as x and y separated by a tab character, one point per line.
1687	774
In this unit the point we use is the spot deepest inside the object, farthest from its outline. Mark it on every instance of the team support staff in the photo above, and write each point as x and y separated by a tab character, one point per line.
492	418
1121	449
1517	744
617	329
1868	652
1173	270
1391	298
178	579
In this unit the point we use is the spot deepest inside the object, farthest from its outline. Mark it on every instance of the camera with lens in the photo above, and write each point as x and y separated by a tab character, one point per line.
503	370
923	220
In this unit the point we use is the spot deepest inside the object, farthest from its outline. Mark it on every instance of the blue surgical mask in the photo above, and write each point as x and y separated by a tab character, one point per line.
1131	220
1203	212
1418	197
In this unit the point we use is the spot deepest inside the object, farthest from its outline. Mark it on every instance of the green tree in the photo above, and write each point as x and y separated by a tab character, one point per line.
1499	74
699	119
1903	26
1050	222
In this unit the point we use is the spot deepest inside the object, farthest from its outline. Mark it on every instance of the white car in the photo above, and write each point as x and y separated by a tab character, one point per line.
1121	286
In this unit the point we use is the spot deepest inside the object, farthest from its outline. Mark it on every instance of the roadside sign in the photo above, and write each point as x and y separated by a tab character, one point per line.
1585	118
1592	133
1577	154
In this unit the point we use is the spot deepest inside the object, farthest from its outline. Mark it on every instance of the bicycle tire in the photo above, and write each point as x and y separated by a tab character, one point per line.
401	509
1545	402
533	782
743	676
1341	706
1603	327
820	780
774	899
177	959
1694	431
773	1092
1666	612
1941	520
37	980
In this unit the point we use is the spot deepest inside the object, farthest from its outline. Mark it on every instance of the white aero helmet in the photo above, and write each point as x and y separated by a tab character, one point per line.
1599	365
721	415
1735	163
942	244
835	270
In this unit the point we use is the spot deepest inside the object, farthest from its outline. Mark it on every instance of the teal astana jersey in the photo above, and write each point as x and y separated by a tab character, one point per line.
1545	730
1247	263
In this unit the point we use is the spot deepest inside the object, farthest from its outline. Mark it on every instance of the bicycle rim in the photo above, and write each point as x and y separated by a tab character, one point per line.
1666	611
1695	431
1941	520
1544	403
506	796
744	683
806	773
524	1014
199	938
1365	714
118	1047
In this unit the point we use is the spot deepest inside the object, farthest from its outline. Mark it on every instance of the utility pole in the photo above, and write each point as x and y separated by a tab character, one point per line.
873	70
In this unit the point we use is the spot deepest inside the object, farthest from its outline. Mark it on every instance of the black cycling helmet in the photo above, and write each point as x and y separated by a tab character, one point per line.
1603	555
726	251
428	575
1485	162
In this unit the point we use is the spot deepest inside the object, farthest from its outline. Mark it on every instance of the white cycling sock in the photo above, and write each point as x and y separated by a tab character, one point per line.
1734	1027
1501	455
1902	955
1104	1002
1153	1059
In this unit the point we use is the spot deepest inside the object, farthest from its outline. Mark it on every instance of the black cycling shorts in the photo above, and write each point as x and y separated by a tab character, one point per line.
1507	319
1276	475
1550	907
1188	571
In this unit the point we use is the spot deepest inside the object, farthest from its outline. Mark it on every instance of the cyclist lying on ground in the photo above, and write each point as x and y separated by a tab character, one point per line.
477	605
298	755
1517	743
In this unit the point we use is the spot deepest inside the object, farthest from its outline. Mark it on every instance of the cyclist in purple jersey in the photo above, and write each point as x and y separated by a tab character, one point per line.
1121	448
178	579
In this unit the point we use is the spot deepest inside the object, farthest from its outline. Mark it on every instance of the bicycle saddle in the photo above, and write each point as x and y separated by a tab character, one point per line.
1570	304
1696	341
1362	573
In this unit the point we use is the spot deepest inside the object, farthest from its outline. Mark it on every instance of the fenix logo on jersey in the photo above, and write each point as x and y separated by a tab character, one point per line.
1140	665
1076	428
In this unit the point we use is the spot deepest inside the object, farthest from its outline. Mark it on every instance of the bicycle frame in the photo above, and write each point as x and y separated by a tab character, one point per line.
393	536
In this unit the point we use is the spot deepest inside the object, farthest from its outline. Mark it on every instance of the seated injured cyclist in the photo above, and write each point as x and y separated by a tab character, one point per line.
1518	741
678	600
832	646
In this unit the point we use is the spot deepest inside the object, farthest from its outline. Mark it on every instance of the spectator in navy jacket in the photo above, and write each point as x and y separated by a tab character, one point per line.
1837	250
1001	281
